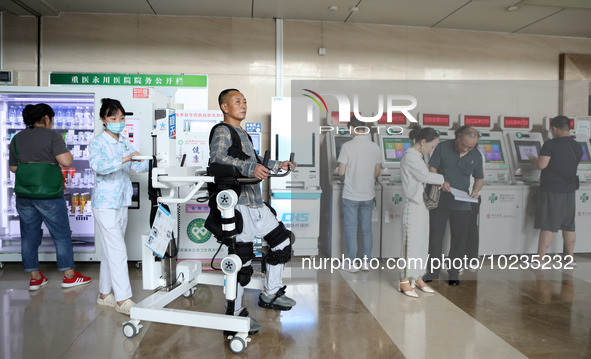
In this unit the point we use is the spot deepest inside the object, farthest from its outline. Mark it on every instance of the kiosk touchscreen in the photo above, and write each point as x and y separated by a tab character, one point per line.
392	150
523	145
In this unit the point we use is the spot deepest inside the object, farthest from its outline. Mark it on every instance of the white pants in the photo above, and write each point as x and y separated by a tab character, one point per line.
415	239
258	222
114	275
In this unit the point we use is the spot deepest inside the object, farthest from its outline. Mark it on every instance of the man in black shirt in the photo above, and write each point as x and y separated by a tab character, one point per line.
558	160
457	161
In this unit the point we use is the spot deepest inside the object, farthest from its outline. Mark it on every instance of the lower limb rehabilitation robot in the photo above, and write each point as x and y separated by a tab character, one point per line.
182	279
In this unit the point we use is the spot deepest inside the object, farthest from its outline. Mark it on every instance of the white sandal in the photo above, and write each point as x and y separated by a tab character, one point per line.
108	301
125	307
411	293
425	288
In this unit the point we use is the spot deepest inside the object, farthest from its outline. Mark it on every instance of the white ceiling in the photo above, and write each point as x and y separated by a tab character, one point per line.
541	17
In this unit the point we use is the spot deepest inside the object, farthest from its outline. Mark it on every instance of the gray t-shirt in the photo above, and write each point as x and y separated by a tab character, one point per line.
38	144
457	172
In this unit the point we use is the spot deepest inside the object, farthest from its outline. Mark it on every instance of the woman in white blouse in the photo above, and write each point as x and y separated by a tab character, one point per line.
415	216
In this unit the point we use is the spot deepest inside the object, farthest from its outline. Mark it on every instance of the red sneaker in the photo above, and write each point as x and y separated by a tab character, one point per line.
77	279
35	284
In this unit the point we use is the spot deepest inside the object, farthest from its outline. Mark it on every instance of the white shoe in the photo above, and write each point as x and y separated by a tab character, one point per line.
125	307
348	268
411	293
425	289
365	267
108	301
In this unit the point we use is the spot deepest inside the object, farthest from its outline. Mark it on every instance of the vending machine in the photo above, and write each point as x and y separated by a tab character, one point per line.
76	119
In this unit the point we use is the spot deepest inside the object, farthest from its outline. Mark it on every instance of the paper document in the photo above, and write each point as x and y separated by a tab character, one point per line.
462	196
161	232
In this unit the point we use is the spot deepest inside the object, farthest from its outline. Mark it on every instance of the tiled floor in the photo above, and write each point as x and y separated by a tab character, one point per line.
493	314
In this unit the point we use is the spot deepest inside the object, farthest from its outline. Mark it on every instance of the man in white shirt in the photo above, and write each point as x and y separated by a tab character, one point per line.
359	161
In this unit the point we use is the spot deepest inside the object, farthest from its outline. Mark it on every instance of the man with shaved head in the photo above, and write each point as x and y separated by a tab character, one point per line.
457	161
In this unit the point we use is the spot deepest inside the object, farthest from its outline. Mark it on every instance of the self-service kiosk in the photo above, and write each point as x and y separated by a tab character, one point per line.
393	141
332	240
296	197
499	222
524	144
580	131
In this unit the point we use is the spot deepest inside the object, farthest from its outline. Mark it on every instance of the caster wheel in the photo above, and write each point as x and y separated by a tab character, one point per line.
130	330
138	265
237	345
1	265
189	293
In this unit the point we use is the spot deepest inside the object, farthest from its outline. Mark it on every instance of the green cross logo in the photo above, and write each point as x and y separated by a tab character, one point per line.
396	199
492	198
196	231
584	197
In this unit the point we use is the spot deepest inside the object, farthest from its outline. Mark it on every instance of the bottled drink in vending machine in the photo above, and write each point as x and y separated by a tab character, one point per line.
88	177
75	203
59	117
13	203
19	116
87	115
67	120
79	116
12	116
70	114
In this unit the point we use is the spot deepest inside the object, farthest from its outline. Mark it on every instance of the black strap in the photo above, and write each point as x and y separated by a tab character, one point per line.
279	293
235	149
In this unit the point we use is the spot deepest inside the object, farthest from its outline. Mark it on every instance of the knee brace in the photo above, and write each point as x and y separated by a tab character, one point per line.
275	238
245	252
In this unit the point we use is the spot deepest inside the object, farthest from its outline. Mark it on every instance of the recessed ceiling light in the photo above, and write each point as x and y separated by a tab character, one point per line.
514	7
333	8
354	9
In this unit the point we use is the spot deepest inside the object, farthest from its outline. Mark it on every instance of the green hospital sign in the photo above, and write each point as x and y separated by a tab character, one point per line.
128	80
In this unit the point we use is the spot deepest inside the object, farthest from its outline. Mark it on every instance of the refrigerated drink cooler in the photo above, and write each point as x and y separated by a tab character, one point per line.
74	120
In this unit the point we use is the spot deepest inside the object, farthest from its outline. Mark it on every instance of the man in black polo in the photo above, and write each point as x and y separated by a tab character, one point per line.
558	160
457	161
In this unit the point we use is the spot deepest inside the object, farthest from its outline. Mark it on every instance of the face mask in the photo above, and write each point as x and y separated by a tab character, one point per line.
116	127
